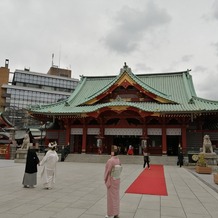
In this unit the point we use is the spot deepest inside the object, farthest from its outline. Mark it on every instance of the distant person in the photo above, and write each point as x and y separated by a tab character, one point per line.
30	175
112	173
30	136
180	157
130	150
99	145
146	158
49	166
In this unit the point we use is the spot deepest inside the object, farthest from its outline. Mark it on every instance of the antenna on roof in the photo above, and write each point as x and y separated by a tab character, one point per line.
59	57
52	60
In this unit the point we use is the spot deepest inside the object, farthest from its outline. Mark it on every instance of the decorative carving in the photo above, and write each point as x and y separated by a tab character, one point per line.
118	98
125	69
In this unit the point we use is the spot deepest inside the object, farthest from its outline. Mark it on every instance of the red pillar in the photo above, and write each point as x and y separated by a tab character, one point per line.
101	136
184	142
164	140
145	130
84	138
68	131
7	154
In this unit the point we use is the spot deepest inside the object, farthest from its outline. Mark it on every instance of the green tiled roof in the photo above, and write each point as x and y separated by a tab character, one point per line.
176	87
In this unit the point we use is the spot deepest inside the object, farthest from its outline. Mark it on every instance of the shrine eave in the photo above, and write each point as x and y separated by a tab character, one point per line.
141	113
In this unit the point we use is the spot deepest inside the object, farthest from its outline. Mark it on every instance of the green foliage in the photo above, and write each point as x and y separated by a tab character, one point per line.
201	161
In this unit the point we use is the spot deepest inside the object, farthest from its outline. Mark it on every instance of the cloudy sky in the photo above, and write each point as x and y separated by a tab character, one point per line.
96	37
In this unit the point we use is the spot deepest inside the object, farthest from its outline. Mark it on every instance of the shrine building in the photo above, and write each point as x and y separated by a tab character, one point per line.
161	110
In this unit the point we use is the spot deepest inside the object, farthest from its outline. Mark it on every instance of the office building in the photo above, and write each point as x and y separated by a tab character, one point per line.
32	88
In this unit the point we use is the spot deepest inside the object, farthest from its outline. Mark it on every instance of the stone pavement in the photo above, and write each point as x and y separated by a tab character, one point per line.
80	192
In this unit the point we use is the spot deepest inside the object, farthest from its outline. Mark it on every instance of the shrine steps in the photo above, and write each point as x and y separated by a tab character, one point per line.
125	159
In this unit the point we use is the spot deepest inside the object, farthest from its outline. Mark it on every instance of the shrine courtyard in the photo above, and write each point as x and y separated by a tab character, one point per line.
80	192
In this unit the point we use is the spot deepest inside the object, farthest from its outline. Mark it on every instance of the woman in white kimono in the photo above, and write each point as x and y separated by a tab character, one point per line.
112	181
49	166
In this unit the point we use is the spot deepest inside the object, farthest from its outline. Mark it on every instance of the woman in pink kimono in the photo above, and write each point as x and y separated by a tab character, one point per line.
112	181
49	166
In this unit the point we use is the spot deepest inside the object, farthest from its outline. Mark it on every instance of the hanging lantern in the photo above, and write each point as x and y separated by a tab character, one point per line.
99	143
144	143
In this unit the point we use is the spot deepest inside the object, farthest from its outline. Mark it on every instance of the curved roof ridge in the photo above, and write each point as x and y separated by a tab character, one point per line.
43	106
205	100
123	70
149	88
77	90
191	85
106	87
186	84
7	122
128	70
161	73
134	77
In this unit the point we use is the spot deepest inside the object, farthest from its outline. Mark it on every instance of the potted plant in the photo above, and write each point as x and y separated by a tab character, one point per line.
201	165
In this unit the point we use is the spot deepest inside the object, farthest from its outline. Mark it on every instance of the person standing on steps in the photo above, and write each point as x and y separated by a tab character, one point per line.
146	158
112	173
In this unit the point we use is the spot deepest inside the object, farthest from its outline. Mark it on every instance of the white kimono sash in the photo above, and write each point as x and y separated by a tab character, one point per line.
116	171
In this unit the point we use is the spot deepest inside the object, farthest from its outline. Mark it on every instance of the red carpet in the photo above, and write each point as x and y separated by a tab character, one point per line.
150	182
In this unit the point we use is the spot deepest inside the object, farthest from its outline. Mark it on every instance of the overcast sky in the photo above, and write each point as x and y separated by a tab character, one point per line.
96	37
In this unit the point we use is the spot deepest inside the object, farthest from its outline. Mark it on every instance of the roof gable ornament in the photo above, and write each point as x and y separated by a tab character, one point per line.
66	103
118	98
125	69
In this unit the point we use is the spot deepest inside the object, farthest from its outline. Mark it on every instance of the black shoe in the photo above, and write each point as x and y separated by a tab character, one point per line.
116	216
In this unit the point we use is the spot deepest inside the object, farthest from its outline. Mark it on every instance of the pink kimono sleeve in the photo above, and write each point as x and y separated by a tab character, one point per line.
107	176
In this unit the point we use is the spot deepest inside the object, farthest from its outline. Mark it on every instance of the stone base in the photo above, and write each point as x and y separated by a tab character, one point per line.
211	158
20	156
